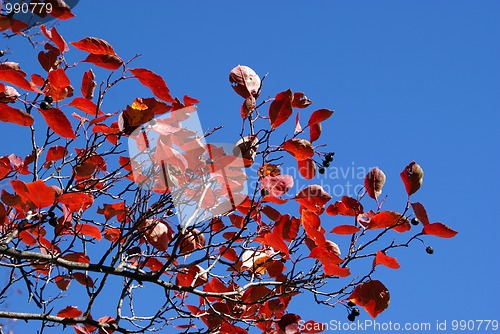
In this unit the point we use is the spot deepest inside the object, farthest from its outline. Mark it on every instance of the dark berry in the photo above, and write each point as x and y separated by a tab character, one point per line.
45	105
321	170
355	312
351	304
264	192
210	161
53	221
329	157
48	99
415	221
429	250
351	317
52	214
326	164
2	53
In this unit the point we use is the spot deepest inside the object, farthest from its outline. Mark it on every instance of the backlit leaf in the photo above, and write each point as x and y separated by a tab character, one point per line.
280	109
300	100
439	230
40	194
88	84
57	121
421	213
154	82
385	260
385	219
319	116
345	229
315	132
85	105
277	185
313	197
55	153
109	62
84	280
54	36
373	296
89	230
69	312
307	168
94	45
14	115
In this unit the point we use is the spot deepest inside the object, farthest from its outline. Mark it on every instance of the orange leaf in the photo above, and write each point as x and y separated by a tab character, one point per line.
40	194
307	168
85	105
54	36
280	109
319	116
373	296
55	153
300	149
14	115
69	312
439	230
88	84
412	177
58	122
345	229
94	45
421	213
153	263
109	62
385	260
89	230
154	82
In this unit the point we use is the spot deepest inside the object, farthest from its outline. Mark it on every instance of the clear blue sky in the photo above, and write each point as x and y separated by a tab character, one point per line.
409	80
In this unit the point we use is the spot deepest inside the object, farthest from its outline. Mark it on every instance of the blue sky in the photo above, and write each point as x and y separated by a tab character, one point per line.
409	80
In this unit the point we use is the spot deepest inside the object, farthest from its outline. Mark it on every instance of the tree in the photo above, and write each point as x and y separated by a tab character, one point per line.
111	205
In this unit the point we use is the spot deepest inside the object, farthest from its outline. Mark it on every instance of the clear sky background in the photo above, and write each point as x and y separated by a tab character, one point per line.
409	80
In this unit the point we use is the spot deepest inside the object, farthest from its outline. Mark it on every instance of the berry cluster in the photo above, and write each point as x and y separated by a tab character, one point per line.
354	311
46	104
326	162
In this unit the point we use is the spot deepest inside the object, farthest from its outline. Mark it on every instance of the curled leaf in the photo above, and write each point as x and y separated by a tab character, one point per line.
412	177
244	81
300	149
374	181
373	296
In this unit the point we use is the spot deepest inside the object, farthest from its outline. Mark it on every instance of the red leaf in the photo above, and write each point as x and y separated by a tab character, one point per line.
69	312
215	285
348	206
27	238
153	263
373	296
307	168
14	115
83	280
54	36
154	82
58	79
255	293
62	282
300	100
11	73
374	181
109	62
85	105
55	153
89	230
237	221
94	45
88	84
312	326
385	219
280	109
319	116
385	260
111	210
289	323
77	257
300	149
298	127
277	185
314	132
345	229
58	122
40	194
439	230
420	212
313	197
412	177
112	234
158	233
